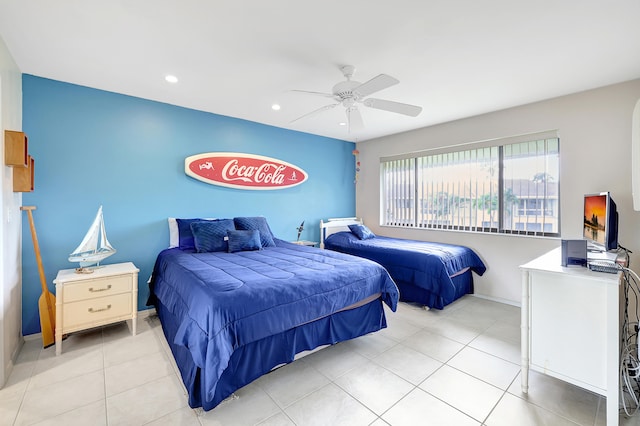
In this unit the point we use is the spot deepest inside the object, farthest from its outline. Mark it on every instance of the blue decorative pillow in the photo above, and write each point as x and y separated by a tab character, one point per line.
258	223
211	236
244	240
361	232
185	235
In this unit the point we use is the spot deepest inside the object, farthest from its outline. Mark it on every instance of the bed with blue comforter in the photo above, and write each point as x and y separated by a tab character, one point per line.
231	317
428	273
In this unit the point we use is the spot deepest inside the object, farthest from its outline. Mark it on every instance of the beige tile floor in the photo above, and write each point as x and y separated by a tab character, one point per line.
459	366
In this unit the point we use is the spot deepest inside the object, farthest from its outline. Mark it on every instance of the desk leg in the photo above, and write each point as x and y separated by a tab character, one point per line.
524	329
613	354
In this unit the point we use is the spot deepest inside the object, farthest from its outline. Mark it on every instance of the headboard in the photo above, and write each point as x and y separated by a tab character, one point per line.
331	226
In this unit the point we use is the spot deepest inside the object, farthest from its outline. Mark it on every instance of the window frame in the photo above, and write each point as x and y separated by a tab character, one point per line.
420	203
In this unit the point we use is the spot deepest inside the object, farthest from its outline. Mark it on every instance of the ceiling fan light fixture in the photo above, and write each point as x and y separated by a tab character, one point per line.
349	93
347	71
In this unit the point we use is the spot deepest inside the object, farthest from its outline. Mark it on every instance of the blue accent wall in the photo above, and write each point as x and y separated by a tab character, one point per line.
94	148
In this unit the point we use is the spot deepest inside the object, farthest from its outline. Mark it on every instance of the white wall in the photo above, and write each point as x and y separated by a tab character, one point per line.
10	220
595	155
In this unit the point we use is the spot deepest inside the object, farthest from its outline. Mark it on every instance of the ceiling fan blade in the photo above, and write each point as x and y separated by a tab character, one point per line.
315	112
326	95
354	119
400	108
374	85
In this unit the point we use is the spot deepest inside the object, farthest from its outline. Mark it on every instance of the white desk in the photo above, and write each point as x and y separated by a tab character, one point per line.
571	326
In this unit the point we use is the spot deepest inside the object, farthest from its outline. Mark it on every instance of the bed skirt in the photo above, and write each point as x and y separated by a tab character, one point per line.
258	358
409	292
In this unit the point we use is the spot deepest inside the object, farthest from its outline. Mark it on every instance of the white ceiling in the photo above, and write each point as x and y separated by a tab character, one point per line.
455	58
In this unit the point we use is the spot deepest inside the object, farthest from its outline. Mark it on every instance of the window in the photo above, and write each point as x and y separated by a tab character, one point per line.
509	187
398	184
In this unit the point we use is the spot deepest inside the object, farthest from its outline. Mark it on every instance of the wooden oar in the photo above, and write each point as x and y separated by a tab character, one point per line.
47	301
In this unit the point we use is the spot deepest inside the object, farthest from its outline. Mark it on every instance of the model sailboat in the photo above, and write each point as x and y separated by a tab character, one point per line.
94	246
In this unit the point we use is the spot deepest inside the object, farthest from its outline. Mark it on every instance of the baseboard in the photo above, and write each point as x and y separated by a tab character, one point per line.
147	313
497	299
11	362
34	336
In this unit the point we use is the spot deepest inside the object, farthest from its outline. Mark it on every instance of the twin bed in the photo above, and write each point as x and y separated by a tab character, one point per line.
236	302
426	273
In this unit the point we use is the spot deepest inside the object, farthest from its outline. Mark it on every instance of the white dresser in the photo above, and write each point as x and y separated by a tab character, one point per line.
109	294
571	326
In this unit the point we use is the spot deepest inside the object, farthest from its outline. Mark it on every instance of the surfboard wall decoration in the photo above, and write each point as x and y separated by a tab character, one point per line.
243	171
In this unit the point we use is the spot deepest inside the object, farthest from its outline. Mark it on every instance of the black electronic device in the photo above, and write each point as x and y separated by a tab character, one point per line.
574	253
607	266
600	228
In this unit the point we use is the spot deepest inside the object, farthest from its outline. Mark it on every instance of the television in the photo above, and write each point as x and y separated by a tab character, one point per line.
600	222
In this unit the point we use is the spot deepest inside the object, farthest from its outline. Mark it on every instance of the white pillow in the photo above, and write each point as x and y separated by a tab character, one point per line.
174	235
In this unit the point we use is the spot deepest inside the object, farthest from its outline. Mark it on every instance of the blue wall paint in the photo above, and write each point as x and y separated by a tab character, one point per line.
127	154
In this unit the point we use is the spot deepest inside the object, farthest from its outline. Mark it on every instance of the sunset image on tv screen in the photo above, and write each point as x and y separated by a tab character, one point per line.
595	217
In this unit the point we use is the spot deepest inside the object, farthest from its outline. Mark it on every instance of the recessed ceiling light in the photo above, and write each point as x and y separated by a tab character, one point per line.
342	123
171	78
275	107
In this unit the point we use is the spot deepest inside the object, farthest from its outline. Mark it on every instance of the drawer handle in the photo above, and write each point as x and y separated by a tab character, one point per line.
91	289
93	311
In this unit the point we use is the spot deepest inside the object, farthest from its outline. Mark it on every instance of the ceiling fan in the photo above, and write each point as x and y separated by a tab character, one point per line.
349	93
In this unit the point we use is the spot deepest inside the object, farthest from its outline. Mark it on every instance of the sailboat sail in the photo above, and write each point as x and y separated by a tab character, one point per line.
95	246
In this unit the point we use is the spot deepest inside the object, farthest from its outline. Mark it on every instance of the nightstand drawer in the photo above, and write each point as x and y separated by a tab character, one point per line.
97	288
96	310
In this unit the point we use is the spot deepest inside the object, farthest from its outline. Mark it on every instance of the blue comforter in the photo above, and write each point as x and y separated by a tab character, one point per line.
424	264
226	300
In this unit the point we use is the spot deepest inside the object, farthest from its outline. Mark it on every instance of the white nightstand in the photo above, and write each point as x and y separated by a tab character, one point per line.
305	243
109	294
